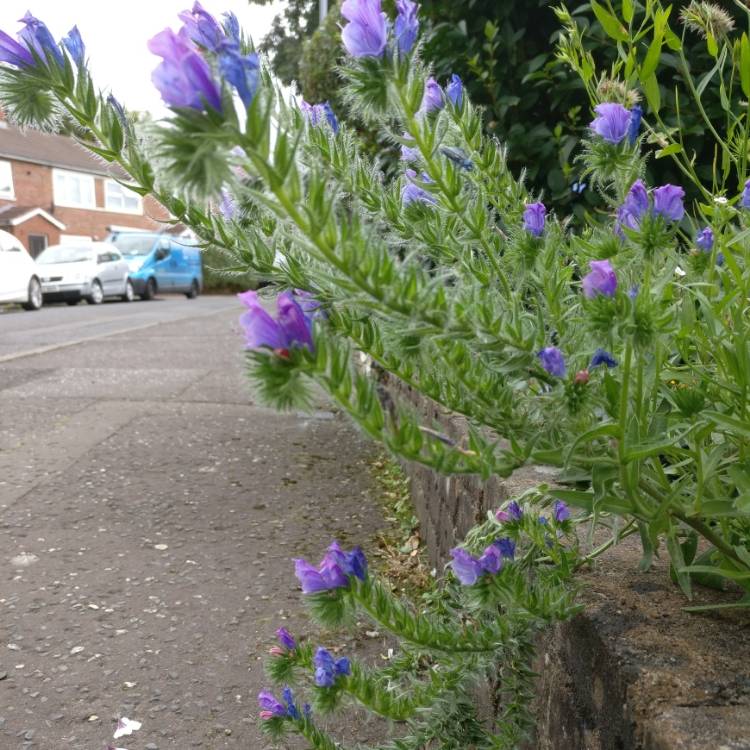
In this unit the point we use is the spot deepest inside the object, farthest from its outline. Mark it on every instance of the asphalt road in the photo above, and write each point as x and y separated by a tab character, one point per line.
149	511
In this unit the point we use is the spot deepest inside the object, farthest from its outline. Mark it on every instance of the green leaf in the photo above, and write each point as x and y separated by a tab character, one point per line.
735	426
651	62
673	41
678	564
609	23
712	45
745	65
675	148
653	95
627	10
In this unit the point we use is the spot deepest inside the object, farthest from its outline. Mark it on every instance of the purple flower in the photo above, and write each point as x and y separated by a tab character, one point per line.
612	123
232	26
413	193
455	90
407	25
37	38
334	569
227	205
366	33
202	27
602	357
534	217
513	513
602	280
291	328
269	706
313	580
552	361
633	291
745	200
560	511
75	46
291	709
286	639
705	239
491	560
720	259
409	153
328	669
242	71
183	78
317	114
507	547
14	53
465	566
353	563
636	115
634	207
432	99
668	202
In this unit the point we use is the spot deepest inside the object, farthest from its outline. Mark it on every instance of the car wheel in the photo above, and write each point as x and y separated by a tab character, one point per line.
35	299
129	295
150	291
194	290
97	295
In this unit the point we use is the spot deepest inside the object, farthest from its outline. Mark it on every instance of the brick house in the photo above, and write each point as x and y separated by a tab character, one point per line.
53	191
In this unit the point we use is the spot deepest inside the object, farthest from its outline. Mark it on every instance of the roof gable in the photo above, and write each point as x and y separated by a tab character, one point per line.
49	150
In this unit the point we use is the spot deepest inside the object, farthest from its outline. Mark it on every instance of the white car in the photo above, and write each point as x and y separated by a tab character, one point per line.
19	277
90	271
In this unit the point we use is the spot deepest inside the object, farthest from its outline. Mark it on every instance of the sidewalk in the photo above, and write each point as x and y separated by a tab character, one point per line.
149	511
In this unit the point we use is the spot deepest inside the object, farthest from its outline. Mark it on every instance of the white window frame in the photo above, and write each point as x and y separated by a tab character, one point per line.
123	193
75	239
8	195
64	200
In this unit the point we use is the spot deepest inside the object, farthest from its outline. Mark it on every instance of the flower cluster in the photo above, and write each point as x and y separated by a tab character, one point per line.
35	44
667	203
185	78
366	33
614	122
271	708
319	114
513	512
328	669
333	570
291	328
469	569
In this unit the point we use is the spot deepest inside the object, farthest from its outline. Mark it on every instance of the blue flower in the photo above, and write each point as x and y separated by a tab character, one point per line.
286	639
668	202
202	27
602	280
602	357
184	78
455	90
432	99
409	153
14	53
634	208
560	511
320	113
534	218
327	669
38	39
119	111
612	122
458	156
552	361
412	193
242	71
745	200
407	25
636	115
74	44
507	547
705	239
232	27
291	711
366	33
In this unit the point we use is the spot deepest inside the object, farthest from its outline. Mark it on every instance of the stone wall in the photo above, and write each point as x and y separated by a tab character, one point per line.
633	671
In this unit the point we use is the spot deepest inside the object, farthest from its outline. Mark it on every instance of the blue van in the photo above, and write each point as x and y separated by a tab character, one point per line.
160	263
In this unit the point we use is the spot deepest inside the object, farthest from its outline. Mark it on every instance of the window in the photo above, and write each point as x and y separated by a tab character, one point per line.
119	198
74	189
6	181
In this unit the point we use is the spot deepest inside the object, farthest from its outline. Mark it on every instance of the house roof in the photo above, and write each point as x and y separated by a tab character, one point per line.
48	149
12	216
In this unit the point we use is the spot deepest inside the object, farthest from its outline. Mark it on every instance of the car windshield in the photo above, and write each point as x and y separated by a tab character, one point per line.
131	245
65	254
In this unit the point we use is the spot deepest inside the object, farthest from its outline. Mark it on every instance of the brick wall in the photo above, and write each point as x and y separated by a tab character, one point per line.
633	671
33	187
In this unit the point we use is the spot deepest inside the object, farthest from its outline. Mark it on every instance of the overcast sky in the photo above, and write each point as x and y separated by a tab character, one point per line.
115	34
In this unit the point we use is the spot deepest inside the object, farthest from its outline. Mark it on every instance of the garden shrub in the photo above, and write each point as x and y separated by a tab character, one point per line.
617	351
